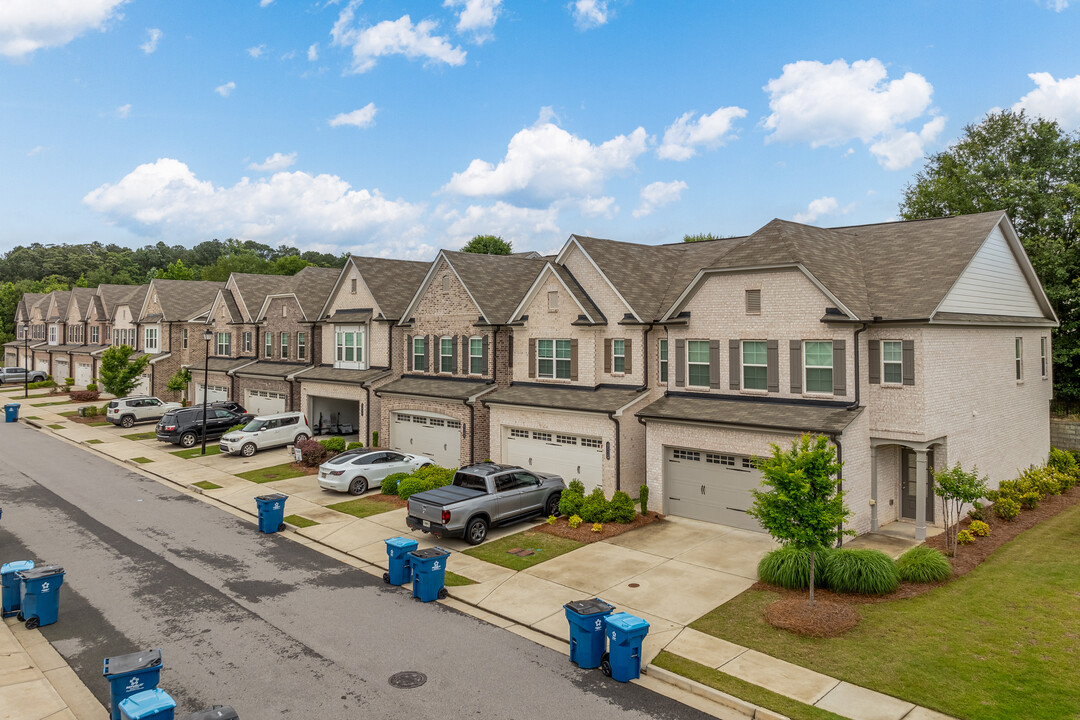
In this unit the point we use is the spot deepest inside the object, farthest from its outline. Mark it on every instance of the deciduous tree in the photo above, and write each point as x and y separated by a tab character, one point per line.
488	245
118	371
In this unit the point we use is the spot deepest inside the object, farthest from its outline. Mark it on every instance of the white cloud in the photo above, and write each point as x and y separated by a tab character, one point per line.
1055	5
396	37
821	206
518	225
313	52
165	198
275	163
35	150
1053	99
590	13
28	25
477	17
832	104
123	111
598	206
257	51
264	3
544	161
709	131
153	37
362	118
226	89
289	55
658	194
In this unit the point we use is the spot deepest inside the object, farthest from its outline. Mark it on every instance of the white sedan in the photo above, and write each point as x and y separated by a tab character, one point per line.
357	470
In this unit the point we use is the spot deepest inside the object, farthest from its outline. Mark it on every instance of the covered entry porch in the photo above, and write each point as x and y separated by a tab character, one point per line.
901	484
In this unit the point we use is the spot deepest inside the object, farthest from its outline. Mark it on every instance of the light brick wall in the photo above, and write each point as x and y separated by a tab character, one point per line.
476	429
544	323
896	411
283	315
345	299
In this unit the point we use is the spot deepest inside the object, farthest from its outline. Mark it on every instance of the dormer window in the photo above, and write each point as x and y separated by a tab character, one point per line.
348	347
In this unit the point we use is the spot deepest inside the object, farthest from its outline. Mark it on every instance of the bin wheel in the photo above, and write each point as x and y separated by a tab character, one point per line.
605	665
281	527
32	623
19	617
443	593
386	578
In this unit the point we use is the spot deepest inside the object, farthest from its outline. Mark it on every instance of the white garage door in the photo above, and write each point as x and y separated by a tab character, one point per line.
84	374
710	486
439	438
216	393
142	386
263	402
43	365
573	457
61	370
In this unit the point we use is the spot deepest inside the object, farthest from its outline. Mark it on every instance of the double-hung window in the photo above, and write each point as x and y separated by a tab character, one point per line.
150	339
553	359
618	356
697	363
1042	355
446	355
52	334
268	345
348	346
223	342
247	342
95	338
183	339
301	346
892	362
1019	359
476	356
663	361
419	355
284	346
755	364
818	359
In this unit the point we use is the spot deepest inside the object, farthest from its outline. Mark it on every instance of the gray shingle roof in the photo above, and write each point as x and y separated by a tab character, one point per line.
254	289
392	282
496	282
184	299
791	417
579	294
82	298
134	298
221	364
271	369
230	303
586	399
444	388
313	286
329	374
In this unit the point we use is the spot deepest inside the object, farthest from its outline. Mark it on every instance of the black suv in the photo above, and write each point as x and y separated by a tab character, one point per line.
229	405
184	426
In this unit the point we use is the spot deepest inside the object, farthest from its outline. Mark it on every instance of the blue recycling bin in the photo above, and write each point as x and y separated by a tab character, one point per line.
429	573
398	549
625	633
11	586
129	675
586	618
40	596
271	512
148	705
11	412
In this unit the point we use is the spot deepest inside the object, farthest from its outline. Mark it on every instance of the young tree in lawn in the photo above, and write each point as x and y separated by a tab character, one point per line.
956	488
179	382
801	504
119	372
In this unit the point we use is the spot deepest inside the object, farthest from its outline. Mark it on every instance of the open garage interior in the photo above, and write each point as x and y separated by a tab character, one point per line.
333	416
572	457
435	436
710	486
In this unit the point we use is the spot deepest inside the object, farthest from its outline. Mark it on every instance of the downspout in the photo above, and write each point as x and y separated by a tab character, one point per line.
390	345
367	414
472	429
618	458
858	331
494	355
645	366
835	437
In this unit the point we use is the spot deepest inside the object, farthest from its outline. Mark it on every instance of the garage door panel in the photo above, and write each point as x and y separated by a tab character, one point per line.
214	393
569	456
83	374
708	486
438	438
262	402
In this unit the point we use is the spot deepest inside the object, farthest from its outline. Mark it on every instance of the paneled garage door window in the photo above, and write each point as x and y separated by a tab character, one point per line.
728	460
687	455
515	433
592	442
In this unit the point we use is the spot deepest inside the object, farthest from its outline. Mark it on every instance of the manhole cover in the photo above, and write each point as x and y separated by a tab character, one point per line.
408	679
633	585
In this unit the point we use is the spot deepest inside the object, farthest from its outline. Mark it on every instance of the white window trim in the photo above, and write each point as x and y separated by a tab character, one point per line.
247	341
268	345
414	354
555	360
883	363
479	355
743	365
663	365
449	342
618	355
184	339
360	338
707	363
222	344
1018	346
805	367
147	346
284	346
301	345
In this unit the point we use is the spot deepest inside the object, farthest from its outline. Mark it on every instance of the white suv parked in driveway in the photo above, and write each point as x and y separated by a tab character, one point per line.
266	431
130	410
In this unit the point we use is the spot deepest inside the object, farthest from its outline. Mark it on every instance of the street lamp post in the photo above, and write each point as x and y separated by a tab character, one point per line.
207	335
26	360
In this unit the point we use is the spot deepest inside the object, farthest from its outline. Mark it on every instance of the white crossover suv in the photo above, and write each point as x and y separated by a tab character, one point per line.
266	431
127	411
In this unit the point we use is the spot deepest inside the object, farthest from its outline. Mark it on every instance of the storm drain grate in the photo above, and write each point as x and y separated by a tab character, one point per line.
408	679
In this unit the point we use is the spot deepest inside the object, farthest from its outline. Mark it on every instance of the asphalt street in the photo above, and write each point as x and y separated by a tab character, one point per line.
260	622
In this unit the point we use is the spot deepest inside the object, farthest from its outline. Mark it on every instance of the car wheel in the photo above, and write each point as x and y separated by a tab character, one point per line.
358	486
552	507
188	439
476	531
127	421
301	437
426	465
248	450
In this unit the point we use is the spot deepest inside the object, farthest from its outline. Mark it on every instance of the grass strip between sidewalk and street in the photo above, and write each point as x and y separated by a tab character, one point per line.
455	580
206	485
299	521
284	471
741	689
362	507
543	545
31	417
47	404
139	436
141	460
55	426
195	452
94	441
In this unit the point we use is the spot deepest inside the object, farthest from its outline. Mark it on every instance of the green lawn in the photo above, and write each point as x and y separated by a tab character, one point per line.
741	689
46	404
68	413
140	436
455	580
301	522
362	507
206	485
543	545
56	426
141	460
1001	642
94	441
31	417
270	474
211	449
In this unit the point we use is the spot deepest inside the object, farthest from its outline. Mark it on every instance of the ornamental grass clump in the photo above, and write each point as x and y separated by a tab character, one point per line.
789	567
862	572
923	565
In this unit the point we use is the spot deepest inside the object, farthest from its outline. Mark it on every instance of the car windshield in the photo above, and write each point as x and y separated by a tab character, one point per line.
341	459
469	481
255	425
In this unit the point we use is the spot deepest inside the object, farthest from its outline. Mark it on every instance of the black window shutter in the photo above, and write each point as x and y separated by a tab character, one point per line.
628	349
908	351
532	357
795	353
607	355
454	355
734	365
408	353
772	350
427	349
573	360
873	361
714	363
680	363
839	367
484	354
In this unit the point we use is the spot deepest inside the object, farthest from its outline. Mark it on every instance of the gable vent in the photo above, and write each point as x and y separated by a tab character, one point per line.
753	302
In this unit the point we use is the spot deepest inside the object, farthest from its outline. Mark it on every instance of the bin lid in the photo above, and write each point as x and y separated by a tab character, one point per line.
402	543
626	622
218	712
429	553
596	606
12	405
271	497
132	662
41	571
16	566
146	704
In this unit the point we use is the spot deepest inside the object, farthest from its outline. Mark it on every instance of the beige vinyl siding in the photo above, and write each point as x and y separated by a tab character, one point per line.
992	284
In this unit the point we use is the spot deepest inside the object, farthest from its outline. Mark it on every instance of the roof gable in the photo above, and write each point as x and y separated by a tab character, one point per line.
181	299
566	279
496	283
394	284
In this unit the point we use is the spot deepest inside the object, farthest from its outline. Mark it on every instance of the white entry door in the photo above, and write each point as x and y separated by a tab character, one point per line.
710	486
62	370
572	457
438	438
263	402
83	374
215	393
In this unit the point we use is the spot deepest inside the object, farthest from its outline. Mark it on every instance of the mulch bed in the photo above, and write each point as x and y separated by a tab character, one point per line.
304	469
583	533
84	420
824	619
388	499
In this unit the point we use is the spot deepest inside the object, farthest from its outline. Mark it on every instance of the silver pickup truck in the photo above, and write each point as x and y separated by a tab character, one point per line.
483	496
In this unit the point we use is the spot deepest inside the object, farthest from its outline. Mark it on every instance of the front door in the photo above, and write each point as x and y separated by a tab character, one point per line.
909	486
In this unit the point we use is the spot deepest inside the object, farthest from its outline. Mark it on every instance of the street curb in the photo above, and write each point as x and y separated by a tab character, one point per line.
720	698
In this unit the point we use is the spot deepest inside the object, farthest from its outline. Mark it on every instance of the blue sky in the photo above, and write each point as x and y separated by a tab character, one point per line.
399	127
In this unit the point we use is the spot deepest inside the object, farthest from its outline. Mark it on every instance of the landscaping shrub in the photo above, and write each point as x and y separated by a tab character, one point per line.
923	564
643	497
234	428
70	382
572	498
437	476
620	509
1042	480
92	387
1030	500
552	520
84	395
412	485
595	507
48	382
964	537
979	528
91	411
312	452
333	444
354	445
789	567
977	511
1064	462
597	528
864	572
576	486
390	483
374	438
1006	508
574	521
